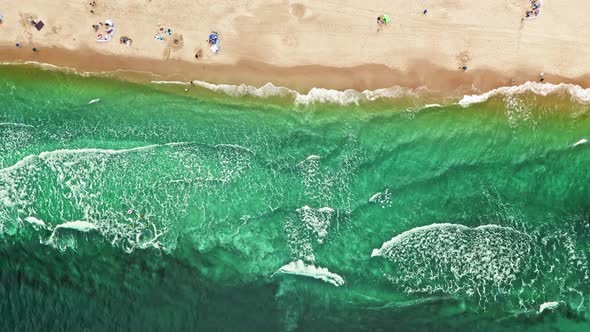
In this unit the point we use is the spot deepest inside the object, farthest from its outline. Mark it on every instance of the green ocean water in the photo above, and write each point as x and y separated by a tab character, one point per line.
156	209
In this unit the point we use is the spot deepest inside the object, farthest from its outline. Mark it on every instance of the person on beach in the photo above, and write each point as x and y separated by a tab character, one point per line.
35	49
382	20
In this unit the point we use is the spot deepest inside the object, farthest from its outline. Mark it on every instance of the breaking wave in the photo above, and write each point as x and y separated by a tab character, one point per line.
456	259
548	306
15	124
351	96
98	186
315	95
576	92
299	268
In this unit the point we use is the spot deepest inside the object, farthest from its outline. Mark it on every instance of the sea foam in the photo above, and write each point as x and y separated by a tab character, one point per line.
576	92
15	124
456	259
315	95
78	225
37	223
548	306
351	96
308	270
16	198
316	221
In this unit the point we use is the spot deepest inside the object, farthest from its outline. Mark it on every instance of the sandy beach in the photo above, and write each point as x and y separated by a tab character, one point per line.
305	44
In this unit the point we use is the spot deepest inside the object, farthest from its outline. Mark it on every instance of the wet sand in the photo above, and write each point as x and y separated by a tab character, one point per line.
304	44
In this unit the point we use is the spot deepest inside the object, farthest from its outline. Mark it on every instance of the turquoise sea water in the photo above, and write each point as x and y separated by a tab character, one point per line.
156	209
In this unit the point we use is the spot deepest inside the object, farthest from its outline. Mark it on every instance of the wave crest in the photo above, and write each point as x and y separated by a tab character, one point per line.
576	92
299	268
315	95
456	259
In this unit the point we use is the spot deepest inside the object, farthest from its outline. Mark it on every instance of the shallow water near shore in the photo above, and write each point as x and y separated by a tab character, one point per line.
142	207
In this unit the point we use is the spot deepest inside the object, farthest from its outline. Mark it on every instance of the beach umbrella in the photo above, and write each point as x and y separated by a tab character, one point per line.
386	18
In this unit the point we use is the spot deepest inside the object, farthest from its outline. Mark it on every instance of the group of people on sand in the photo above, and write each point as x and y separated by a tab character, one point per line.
109	28
535	9
162	33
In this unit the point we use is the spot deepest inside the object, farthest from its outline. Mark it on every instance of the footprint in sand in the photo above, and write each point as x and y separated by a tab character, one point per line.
464	58
198	53
26	19
289	40
175	43
298	10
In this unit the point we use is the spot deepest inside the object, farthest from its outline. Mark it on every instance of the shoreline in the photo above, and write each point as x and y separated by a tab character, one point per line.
448	83
304	44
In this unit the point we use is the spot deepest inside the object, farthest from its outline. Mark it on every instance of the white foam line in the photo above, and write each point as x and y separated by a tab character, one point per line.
325	209
373	198
171	82
35	222
94	101
14	124
576	92
78	225
45	155
299	268
351	96
400	237
48	154
49	66
582	141
315	95
548	306
21	163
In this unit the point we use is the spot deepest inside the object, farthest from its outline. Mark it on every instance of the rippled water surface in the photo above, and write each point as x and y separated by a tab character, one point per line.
143	207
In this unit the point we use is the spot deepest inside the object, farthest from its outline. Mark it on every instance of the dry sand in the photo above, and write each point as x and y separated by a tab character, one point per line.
301	44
